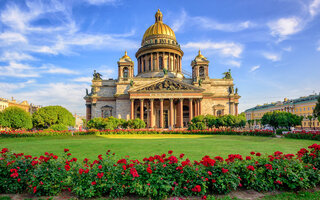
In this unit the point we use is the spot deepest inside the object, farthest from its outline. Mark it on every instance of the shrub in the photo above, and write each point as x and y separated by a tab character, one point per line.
280	130
136	123
50	115
15	118
59	127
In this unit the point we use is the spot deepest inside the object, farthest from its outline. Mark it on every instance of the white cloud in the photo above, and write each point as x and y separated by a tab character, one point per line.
314	8
234	63
51	69
254	68
12	37
207	23
83	79
15	56
100	2
284	27
288	49
272	56
229	49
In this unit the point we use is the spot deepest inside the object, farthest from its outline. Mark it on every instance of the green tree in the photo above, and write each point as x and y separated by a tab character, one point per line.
241	120
15	118
310	118
136	123
278	119
316	111
50	115
210	121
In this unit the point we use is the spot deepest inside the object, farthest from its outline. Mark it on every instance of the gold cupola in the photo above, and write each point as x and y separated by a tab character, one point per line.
158	30
159	54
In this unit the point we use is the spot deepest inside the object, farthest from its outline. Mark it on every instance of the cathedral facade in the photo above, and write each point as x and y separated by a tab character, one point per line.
160	93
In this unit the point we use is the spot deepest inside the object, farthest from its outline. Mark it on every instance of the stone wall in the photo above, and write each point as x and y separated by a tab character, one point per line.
123	109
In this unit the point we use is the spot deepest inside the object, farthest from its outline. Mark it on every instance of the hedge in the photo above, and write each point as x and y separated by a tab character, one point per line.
158	176
265	133
309	135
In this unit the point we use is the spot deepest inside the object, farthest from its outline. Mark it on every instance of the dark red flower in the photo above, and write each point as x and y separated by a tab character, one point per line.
224	170
149	170
93	183
250	167
170	152
197	188
67	167
66	150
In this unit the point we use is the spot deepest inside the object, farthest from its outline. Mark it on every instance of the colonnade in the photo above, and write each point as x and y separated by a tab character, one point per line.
174	106
159	60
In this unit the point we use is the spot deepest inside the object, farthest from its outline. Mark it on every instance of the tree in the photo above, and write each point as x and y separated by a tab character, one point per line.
278	119
50	115
241	120
316	110
210	121
15	118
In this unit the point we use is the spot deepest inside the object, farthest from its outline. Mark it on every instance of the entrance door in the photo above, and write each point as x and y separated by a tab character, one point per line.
166	118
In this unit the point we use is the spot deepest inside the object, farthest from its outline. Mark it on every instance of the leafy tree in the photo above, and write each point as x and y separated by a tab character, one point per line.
97	123
15	118
310	118
278	119
241	120
316	110
50	115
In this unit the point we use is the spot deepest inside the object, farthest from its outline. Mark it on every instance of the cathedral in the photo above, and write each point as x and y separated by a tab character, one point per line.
161	93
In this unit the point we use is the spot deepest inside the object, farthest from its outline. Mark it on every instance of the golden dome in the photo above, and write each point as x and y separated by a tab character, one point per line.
125	55
200	55
159	28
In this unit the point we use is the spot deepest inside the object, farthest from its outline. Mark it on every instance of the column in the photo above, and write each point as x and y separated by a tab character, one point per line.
236	109
170	66
138	65
200	109
151	113
157	62
190	110
151	61
88	112
161	113
141	109
181	113
196	107
171	113
132	109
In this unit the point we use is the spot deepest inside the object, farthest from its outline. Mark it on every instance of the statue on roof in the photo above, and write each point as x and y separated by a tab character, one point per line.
236	91
96	76
227	75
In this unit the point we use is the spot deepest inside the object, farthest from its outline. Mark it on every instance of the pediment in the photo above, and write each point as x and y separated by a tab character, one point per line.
167	85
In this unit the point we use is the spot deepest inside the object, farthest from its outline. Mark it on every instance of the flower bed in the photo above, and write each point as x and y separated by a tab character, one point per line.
310	135
266	133
158	176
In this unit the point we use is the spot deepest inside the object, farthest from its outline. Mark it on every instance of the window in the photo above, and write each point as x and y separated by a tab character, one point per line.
201	71
106	111
219	113
125	72
160	62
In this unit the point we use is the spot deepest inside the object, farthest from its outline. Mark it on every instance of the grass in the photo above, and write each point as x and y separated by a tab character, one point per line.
140	146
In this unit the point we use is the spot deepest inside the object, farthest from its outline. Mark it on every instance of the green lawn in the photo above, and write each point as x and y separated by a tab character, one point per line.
139	146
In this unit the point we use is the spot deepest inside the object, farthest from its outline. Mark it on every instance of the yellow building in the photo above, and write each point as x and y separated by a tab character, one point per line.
302	106
4	103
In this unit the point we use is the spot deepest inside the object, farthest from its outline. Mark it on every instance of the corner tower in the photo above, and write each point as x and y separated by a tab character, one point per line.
200	68
160	52
125	68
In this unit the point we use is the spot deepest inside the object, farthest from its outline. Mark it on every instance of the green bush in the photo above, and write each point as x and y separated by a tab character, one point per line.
280	130
15	118
136	123
50	115
59	127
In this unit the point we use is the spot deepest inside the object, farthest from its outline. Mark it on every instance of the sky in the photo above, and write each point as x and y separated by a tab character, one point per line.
49	49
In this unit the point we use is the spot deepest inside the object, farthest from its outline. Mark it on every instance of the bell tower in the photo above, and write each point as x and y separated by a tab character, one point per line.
125	68
200	68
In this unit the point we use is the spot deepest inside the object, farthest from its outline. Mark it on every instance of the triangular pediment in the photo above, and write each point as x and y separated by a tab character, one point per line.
167	85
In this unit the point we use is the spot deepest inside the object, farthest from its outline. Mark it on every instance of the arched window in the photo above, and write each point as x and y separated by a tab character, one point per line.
125	72
201	71
219	113
160	62
106	111
144	66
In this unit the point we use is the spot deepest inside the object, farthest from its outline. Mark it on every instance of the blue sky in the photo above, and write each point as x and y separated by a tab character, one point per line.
49	49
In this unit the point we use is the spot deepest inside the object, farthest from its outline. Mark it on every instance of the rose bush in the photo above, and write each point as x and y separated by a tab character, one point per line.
265	133
158	176
309	135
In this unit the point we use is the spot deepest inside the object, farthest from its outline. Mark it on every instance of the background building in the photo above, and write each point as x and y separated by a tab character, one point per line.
4	103
161	94
302	106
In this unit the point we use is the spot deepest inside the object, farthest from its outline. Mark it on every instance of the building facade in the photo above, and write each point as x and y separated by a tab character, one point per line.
160	93
4	103
302	106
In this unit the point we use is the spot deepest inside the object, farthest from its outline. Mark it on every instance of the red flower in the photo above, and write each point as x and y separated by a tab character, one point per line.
170	152
248	158
210	173
124	167
19	179
100	175
69	154
149	170
252	153
100	166
134	172
197	188
258	154
67	167
81	171
268	166
250	167
93	183
181	155
224	170
123	161
66	150
34	189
